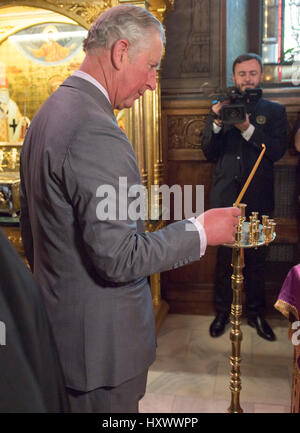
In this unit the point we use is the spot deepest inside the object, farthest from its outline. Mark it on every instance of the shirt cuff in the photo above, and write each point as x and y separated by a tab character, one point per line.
248	133
202	235
216	128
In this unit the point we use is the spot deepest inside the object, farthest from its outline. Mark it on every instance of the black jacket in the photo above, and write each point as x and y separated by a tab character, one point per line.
30	374
235	157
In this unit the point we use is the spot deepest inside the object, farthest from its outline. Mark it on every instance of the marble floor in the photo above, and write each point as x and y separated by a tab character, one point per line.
191	373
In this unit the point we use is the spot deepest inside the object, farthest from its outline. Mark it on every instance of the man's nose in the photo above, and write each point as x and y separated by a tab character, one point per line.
151	83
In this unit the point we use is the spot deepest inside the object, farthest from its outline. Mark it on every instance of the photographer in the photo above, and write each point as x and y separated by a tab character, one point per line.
235	148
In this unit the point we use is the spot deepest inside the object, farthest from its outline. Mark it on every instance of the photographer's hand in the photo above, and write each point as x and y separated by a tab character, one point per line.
216	108
244	125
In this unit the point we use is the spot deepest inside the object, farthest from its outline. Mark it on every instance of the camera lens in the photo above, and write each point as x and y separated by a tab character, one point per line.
234	114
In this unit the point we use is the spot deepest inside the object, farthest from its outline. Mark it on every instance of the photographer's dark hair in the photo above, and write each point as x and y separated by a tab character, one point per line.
245	57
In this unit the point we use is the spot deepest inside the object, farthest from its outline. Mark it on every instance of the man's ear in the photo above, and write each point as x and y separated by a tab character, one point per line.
119	52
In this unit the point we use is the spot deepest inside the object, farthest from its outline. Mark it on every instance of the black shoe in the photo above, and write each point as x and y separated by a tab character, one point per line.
217	327
263	329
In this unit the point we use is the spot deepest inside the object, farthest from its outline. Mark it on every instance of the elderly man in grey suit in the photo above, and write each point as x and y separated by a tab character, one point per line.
93	271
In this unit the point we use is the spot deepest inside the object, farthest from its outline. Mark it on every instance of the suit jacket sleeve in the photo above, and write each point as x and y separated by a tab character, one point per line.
25	226
119	248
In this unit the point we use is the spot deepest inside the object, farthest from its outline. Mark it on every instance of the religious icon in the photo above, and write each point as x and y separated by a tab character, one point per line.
51	50
13	124
50	43
9	114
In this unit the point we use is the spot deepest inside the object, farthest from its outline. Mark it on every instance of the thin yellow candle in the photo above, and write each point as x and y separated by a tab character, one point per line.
244	189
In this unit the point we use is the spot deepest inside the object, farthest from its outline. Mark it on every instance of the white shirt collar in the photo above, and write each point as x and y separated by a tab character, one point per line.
88	77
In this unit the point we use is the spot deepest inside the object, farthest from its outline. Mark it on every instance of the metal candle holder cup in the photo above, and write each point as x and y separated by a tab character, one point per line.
250	234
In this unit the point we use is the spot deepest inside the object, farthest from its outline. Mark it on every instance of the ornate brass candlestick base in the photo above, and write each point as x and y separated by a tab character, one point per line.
249	235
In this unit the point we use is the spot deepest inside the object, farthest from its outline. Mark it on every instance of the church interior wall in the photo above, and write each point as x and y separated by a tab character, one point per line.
197	66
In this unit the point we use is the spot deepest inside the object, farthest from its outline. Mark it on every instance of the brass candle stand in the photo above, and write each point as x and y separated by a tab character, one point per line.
252	234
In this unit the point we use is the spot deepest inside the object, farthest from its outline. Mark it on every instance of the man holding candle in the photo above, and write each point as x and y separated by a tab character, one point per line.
235	149
93	266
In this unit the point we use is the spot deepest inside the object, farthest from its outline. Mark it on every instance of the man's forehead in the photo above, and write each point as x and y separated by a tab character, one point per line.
248	65
156	49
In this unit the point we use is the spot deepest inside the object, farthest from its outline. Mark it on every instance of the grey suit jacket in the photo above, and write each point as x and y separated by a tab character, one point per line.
92	273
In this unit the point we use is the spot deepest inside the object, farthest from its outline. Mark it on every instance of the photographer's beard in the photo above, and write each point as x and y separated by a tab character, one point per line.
242	87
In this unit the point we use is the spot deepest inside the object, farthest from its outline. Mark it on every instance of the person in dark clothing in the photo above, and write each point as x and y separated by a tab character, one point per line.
31	379
235	149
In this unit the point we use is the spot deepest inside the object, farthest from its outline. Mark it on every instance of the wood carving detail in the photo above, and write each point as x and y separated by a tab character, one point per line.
185	132
88	11
292	121
197	52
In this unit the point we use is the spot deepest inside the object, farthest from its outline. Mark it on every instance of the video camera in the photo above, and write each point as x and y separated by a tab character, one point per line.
236	111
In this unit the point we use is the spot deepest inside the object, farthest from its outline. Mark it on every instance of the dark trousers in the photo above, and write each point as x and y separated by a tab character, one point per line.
254	283
123	398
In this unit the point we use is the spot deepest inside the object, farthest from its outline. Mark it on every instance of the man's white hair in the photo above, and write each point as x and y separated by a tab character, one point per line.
129	22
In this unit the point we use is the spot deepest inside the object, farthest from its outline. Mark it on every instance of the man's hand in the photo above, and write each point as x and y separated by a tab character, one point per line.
216	108
244	125
220	224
